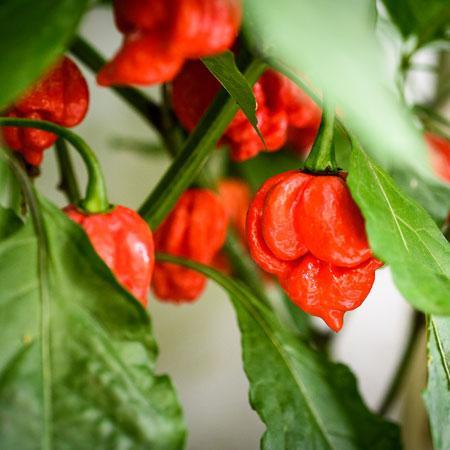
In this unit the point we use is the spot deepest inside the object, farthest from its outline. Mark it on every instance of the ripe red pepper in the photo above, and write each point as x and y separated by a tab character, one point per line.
62	97
125	242
195	229
161	34
440	155
281	108
307	230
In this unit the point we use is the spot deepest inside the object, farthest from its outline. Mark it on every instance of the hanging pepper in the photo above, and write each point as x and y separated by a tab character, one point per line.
282	110
195	229
307	230
161	34
440	155
124	241
61	97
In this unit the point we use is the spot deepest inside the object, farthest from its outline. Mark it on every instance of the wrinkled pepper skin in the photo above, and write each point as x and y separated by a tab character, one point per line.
195	229
61	97
440	155
281	108
307	230
125	242
159	35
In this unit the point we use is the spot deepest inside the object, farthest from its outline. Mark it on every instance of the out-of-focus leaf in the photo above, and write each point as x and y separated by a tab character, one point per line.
402	234
78	356
427	20
306	401
32	35
334	45
139	146
224	68
437	395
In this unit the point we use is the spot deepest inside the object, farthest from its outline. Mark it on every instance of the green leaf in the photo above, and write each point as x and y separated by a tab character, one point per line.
33	34
78	356
306	401
224	68
427	20
432	195
437	395
402	234
335	46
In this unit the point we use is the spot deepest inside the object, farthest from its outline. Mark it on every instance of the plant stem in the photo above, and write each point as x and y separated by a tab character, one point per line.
90	56
321	158
95	200
196	151
68	182
398	378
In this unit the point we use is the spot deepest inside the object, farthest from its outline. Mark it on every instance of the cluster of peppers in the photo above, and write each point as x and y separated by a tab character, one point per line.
302	227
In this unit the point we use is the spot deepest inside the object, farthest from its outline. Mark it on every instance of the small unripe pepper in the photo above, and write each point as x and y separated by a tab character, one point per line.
125	243
161	34
62	97
281	108
307	230
440	155
195	229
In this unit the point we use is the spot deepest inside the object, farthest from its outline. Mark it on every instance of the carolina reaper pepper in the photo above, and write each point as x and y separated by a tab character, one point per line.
282	110
307	230
195	229
161	34
440	155
62	97
125	242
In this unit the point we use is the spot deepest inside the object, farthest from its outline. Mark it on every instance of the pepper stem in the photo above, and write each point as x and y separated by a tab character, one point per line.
95	200
322	158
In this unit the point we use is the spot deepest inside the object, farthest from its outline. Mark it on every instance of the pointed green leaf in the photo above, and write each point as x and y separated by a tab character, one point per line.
437	395
306	401
224	68
402	234
32	35
78	356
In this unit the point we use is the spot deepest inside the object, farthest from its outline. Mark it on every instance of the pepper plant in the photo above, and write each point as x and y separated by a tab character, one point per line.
325	177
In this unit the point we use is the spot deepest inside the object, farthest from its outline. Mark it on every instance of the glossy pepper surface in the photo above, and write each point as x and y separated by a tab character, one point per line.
195	229
307	230
159	35
440	155
282	110
125	242
62	97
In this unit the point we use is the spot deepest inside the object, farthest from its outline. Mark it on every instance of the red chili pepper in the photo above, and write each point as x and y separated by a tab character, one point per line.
61	97
161	34
440	155
307	230
281	108
195	229
125	242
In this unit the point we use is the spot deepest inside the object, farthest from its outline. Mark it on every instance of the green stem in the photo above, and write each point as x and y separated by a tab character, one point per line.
90	56
95	200
68	182
321	158
195	153
398	378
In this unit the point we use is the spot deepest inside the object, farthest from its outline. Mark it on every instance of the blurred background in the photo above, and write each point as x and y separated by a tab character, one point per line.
199	343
